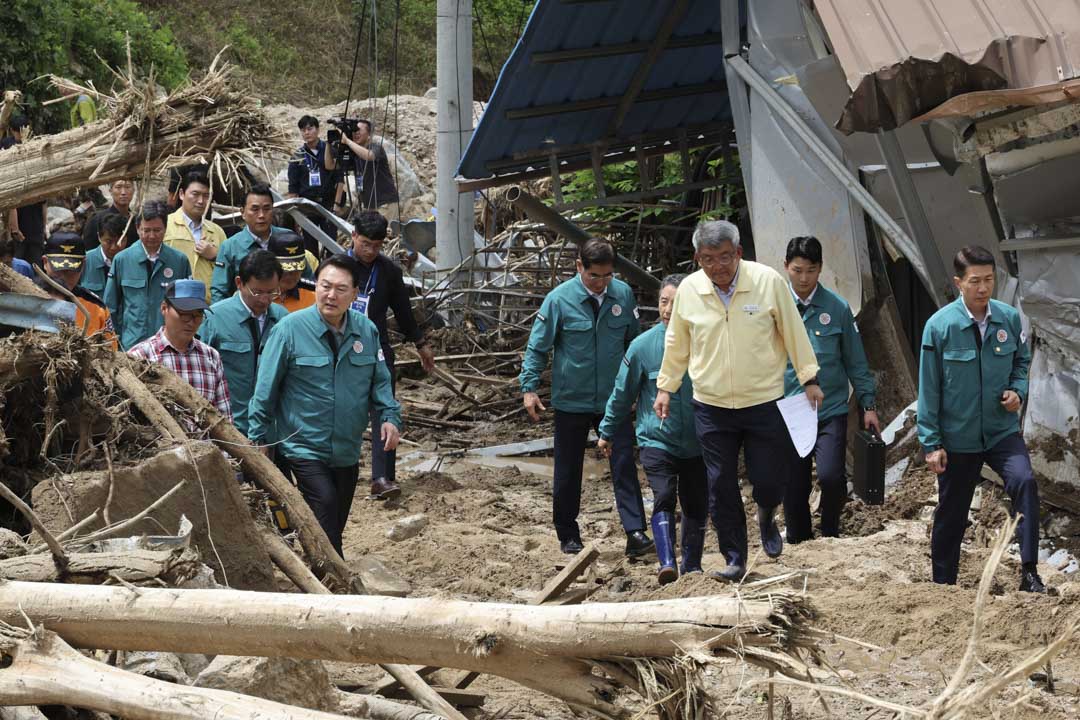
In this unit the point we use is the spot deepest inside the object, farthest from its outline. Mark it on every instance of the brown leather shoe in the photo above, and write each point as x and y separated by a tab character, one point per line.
383	489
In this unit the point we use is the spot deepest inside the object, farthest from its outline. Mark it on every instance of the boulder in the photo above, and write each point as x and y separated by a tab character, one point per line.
303	683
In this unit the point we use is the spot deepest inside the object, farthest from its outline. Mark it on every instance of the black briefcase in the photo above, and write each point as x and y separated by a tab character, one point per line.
869	477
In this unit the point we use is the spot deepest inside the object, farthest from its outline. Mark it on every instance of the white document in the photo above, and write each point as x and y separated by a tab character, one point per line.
801	420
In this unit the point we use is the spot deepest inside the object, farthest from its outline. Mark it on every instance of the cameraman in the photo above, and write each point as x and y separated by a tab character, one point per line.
374	182
311	174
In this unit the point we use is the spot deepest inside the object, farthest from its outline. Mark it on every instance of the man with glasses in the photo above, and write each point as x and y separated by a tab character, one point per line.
733	327
176	347
258	216
382	289
587	324
321	372
239	326
136	285
189	232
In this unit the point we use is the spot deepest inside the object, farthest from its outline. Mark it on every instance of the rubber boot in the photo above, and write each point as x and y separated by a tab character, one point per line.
663	525
693	543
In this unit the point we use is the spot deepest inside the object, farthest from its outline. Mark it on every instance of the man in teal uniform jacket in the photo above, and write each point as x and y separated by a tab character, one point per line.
239	326
99	260
258	215
842	360
587	323
136	285
321	370
973	378
669	449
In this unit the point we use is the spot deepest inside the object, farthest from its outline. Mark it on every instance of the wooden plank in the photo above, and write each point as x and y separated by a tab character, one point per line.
378	579
576	596
569	574
389	683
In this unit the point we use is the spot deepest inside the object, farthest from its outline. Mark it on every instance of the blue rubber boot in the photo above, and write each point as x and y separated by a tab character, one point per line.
693	544
663	526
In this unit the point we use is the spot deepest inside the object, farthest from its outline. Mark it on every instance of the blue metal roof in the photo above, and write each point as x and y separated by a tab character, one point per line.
683	91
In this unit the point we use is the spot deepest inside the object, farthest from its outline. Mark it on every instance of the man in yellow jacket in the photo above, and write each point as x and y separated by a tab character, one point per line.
733	328
188	232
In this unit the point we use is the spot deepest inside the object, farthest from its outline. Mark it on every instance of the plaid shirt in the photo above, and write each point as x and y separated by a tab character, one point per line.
199	365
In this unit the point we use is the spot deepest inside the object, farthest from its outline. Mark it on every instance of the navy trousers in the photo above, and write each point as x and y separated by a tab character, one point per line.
328	491
722	432
956	486
828	453
672	479
571	437
383	462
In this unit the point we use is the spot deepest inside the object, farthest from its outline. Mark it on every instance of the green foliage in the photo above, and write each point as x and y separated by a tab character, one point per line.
66	37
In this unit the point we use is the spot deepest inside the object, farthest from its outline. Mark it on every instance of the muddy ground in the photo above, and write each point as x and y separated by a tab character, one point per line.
490	539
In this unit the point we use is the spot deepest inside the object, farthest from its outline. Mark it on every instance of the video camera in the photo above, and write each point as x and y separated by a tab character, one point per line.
342	126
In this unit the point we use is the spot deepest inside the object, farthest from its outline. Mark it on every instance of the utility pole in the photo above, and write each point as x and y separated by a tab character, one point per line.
454	220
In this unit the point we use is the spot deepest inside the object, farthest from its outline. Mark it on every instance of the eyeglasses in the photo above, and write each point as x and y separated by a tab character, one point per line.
597	276
712	260
272	294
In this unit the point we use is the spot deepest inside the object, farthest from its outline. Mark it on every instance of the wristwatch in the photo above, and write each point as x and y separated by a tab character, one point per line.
869	408
811	381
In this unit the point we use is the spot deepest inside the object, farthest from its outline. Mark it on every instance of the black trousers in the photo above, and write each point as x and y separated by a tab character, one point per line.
722	432
672	479
328	491
571	437
383	462
956	486
829	454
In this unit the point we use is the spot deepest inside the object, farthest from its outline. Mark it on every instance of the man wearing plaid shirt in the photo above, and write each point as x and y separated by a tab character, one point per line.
175	346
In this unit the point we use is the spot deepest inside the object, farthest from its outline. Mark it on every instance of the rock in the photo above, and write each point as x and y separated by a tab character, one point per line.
621	584
1059	559
11	545
158	665
221	512
304	683
407	527
432	93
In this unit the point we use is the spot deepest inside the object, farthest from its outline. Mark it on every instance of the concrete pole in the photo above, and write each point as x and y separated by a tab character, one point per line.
454	221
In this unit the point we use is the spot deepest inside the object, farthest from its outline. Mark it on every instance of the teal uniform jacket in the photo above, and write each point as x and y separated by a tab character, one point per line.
586	349
227	265
840	354
135	289
95	272
317	401
228	331
636	382
960	384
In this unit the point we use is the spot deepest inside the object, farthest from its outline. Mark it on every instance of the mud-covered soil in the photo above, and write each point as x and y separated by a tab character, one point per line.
489	538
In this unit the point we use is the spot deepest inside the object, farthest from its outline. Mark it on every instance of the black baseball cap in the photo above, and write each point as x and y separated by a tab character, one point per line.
65	250
288	248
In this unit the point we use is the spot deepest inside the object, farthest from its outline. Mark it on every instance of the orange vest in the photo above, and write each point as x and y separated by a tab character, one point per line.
305	298
100	322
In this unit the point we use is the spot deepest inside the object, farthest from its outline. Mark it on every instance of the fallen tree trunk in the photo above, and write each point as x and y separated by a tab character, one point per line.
45	670
202	119
132	566
550	649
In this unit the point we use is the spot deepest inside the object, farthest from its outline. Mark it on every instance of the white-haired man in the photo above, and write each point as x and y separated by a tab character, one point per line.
733	327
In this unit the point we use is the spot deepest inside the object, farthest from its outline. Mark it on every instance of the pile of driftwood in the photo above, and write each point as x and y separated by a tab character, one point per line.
73	407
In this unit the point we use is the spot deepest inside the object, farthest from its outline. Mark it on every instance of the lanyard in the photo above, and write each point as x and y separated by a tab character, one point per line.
369	286
311	159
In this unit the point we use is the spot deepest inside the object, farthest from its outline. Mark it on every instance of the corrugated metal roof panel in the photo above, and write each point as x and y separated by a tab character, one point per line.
508	144
902	58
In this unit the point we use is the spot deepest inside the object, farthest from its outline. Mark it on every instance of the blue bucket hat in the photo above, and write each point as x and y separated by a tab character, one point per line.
186	295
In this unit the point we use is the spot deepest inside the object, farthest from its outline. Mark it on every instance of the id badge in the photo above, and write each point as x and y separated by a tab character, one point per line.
360	304
314	179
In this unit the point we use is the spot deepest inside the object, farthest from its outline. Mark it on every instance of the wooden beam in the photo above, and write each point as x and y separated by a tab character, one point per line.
671	21
631	48
536	111
637	196
573	570
642	169
596	156
556	178
458	697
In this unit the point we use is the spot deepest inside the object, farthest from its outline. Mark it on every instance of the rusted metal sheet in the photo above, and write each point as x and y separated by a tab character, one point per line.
903	58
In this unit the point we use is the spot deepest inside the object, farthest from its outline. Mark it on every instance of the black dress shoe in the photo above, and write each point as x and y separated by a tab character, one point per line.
638	544
1031	582
571	547
771	542
732	573
383	489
